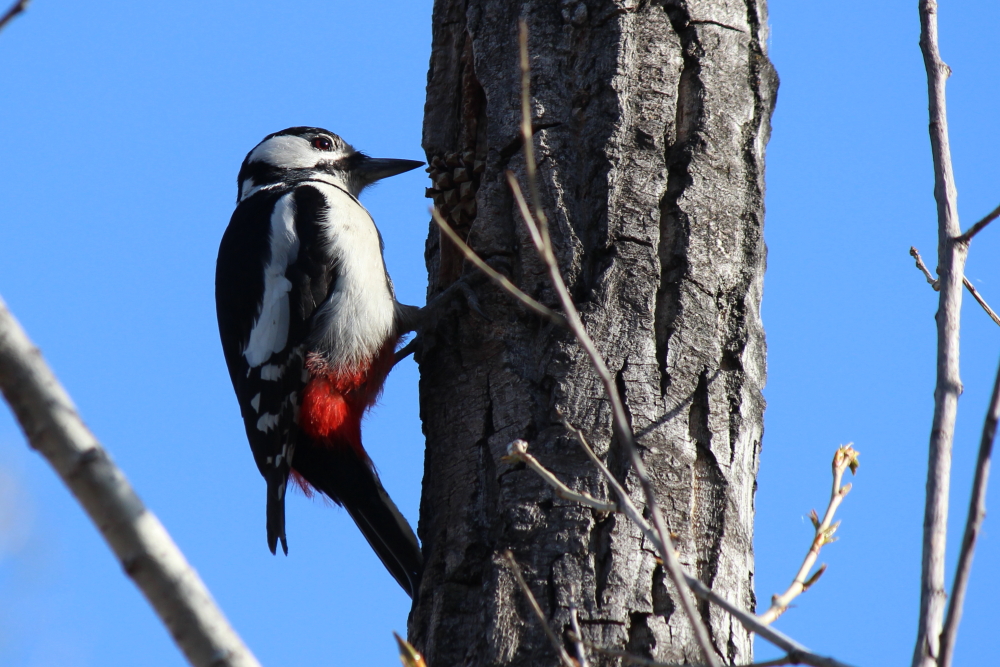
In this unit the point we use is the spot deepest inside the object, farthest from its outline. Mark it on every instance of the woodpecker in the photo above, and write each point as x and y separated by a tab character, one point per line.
310	325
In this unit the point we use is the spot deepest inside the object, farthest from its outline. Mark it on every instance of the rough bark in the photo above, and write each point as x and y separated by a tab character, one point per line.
651	121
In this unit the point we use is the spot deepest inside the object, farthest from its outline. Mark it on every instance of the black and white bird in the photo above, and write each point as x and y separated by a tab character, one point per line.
310	326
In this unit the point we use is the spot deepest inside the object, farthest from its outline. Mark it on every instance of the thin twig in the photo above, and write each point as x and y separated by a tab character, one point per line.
621	426
15	9
494	275
577	636
522	205
980	300
965	281
973	524
517	451
796	651
749	621
845	459
549	632
931	280
978	227
147	553
948	388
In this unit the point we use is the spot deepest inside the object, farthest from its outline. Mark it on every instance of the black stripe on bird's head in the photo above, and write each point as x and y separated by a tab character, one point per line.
304	153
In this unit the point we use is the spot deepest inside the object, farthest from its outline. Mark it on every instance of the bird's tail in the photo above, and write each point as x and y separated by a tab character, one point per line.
277	481
352	482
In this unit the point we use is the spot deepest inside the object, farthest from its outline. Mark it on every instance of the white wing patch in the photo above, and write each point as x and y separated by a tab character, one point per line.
270	331
271	372
266	422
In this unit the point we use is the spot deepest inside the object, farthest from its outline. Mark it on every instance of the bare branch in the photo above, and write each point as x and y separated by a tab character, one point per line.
965	281
621	425
577	636
494	275
529	221
749	621
14	10
978	227
931	280
951	267
845	459
517	451
549	632
973	524
147	554
980	300
798	653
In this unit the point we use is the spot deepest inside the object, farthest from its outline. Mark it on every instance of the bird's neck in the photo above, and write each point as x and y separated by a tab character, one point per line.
266	177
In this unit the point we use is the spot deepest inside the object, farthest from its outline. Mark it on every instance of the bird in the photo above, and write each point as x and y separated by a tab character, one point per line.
310	326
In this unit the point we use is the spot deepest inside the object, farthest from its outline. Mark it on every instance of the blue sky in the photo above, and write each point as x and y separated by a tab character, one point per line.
122	128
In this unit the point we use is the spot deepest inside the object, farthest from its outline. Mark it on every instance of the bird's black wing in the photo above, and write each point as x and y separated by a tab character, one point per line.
272	273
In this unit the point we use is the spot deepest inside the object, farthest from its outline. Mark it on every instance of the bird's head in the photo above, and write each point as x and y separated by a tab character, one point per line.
300	153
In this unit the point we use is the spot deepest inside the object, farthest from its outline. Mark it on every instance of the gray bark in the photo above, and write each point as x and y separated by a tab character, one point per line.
651	121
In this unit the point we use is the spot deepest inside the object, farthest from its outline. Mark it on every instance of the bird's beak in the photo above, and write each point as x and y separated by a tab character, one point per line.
372	169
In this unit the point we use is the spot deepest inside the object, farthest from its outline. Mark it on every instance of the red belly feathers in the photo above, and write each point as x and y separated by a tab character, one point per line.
334	401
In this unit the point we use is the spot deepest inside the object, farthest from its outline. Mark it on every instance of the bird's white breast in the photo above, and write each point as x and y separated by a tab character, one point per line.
357	318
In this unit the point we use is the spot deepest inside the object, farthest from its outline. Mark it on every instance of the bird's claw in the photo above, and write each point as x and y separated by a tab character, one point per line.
424	321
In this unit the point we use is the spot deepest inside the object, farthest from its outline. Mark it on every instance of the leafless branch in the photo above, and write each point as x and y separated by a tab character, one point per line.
141	543
965	281
577	636
549	632
845	459
980	300
498	278
931	280
798	653
625	504
14	10
621	425
517	451
978	227
951	267
973	524
749	621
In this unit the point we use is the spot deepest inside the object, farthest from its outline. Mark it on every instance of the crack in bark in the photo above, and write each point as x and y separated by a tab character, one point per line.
715	23
674	223
709	485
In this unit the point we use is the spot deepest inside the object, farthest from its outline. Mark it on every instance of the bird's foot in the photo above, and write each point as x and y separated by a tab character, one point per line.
424	321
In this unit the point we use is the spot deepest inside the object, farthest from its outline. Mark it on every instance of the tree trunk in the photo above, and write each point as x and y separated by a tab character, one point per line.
650	121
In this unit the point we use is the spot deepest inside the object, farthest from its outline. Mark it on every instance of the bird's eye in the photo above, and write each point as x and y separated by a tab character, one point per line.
322	143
